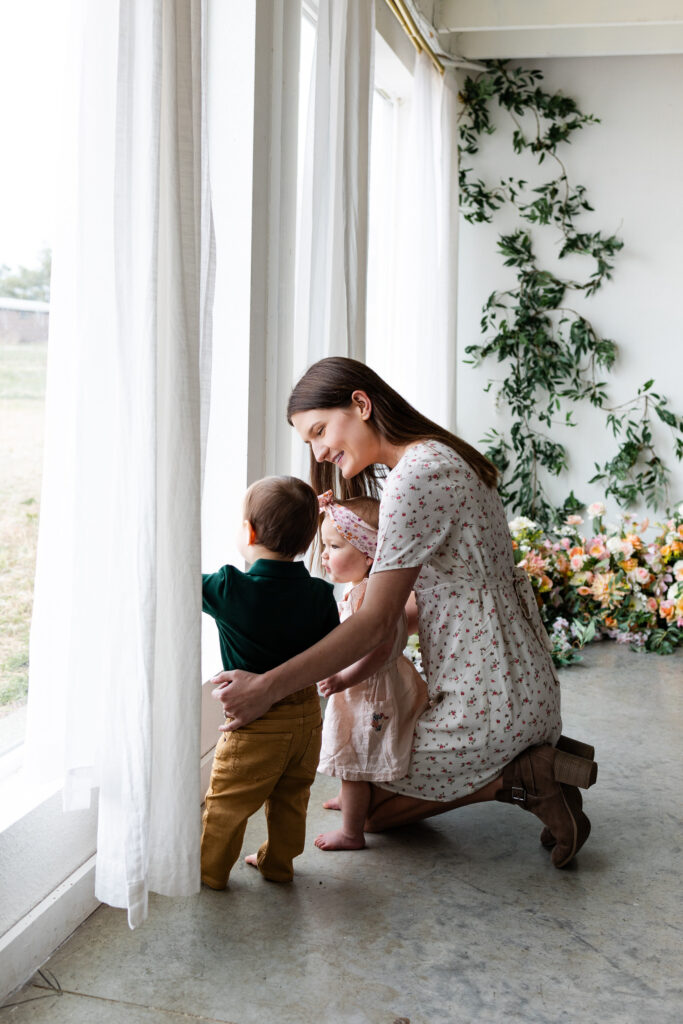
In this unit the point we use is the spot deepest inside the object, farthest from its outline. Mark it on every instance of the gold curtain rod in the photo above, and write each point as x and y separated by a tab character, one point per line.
408	25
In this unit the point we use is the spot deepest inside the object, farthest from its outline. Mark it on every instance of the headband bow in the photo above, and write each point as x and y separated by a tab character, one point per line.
349	525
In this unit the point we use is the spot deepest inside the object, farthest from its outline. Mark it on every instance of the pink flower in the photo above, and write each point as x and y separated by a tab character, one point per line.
627	548
576	562
642	575
573	520
596	509
566	543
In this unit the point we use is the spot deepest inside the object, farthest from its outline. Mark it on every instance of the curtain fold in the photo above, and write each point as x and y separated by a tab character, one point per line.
413	256
114	690
331	285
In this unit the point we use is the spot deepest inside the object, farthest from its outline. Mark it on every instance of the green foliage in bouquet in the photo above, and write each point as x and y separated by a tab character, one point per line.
553	355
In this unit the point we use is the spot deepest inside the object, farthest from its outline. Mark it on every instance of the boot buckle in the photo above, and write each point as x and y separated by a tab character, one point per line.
518	794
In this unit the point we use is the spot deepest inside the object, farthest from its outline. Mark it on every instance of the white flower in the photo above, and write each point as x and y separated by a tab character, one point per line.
642	575
626	547
678	571
596	509
671	537
674	591
613	544
679	509
521	523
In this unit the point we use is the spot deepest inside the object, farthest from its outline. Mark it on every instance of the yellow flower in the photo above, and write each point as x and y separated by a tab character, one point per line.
629	564
665	550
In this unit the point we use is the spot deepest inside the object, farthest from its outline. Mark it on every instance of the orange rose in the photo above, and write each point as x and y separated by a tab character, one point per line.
576	551
667	610
635	540
611	622
665	550
629	564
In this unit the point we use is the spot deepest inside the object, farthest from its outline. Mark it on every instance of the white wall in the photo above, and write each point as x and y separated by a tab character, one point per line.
632	165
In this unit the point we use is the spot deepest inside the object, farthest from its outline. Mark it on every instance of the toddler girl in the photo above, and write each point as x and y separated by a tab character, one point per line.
368	725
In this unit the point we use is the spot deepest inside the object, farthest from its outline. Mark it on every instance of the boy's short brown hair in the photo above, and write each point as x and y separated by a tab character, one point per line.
283	511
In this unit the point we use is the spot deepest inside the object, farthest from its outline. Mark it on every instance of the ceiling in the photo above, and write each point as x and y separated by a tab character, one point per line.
477	29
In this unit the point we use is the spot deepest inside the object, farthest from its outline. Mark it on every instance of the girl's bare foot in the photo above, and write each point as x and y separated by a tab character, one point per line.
338	840
252	859
334	804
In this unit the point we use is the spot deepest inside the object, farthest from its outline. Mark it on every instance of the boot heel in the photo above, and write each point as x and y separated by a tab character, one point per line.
573	770
571	746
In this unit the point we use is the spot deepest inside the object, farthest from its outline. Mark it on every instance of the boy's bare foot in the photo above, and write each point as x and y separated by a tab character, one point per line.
338	840
252	859
334	804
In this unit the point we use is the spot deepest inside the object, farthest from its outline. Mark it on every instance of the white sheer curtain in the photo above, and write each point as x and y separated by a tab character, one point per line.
330	310
114	692
413	244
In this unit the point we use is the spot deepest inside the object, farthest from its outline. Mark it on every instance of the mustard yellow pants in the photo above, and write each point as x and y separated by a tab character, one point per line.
271	761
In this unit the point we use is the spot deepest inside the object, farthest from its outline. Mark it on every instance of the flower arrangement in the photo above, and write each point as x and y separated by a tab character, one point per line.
609	581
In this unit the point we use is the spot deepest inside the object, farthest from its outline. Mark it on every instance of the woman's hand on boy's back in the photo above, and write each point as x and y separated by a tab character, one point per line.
242	697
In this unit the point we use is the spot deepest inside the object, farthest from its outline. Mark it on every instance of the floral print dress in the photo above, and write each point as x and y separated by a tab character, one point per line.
492	685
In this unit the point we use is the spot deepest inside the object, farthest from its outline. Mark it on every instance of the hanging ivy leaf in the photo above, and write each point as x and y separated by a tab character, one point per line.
552	354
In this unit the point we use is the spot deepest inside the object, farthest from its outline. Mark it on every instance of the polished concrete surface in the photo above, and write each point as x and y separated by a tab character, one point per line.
458	919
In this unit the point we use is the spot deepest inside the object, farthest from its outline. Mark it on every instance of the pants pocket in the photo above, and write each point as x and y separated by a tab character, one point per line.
252	754
311	755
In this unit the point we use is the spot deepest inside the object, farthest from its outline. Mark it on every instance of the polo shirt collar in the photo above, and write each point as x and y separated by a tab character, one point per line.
273	568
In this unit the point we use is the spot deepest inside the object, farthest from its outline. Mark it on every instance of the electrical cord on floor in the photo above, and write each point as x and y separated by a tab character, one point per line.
51	982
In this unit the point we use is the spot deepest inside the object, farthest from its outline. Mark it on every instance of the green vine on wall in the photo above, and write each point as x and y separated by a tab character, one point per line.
553	355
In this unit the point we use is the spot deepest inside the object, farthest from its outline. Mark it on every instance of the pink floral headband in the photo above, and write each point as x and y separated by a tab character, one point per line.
350	526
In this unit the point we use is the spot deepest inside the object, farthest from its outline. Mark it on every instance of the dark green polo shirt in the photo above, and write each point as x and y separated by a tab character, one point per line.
269	614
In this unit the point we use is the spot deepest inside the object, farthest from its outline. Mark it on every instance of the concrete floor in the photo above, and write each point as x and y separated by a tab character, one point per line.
460	919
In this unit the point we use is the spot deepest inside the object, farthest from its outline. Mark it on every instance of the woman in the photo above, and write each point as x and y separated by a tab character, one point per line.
494	719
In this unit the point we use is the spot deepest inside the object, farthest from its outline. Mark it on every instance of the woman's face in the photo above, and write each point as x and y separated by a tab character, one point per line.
341	561
342	436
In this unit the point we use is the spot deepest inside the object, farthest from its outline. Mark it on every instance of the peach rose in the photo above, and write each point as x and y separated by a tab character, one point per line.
666	610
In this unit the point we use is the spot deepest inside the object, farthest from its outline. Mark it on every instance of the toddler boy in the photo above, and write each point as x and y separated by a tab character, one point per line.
264	617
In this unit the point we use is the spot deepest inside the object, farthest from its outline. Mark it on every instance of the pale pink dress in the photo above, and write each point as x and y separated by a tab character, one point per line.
368	729
492	686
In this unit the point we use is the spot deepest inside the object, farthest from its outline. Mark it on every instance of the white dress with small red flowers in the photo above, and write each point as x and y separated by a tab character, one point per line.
368	729
492	684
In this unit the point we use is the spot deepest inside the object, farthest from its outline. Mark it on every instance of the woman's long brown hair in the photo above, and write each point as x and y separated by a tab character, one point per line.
329	384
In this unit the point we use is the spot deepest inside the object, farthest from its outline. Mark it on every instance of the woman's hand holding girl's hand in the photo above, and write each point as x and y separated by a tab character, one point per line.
244	697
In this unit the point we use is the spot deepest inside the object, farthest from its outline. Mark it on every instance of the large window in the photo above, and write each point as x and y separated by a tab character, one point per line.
31	55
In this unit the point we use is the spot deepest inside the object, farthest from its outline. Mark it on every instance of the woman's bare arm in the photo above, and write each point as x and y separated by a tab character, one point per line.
246	696
354	674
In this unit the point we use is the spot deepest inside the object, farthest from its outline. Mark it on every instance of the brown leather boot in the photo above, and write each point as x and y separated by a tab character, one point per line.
533	782
585	776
